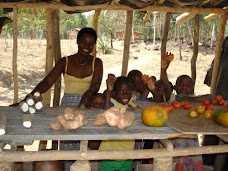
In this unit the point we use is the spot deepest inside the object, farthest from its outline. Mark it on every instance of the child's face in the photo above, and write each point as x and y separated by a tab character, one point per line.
123	93
97	101
138	84
48	166
184	86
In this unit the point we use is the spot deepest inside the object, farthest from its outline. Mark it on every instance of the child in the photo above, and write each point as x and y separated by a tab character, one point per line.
97	101
122	95
47	166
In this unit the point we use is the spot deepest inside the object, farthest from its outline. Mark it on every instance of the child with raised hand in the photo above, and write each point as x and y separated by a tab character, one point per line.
122	95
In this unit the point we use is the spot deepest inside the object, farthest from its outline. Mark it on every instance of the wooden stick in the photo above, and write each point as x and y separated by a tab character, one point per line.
210	16
110	155
2	123
219	42
195	49
95	27
168	145
23	106
27	120
147	16
127	39
163	163
15	74
183	18
43	5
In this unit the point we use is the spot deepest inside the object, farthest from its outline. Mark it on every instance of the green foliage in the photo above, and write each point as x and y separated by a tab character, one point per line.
103	46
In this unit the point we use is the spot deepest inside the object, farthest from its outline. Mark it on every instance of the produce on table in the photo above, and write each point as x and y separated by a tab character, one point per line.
115	117
218	98
32	103
176	104
200	109
187	106
69	120
193	113
210	107
221	102
208	114
168	108
220	116
154	116
213	101
206	102
183	102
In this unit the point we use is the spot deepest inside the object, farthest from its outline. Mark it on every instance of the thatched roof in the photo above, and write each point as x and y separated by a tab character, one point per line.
81	5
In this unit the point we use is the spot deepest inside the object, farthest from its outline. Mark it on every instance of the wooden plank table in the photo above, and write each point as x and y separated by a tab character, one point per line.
16	134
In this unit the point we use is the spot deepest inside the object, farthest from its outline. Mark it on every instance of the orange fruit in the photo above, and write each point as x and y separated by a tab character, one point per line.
193	114
154	116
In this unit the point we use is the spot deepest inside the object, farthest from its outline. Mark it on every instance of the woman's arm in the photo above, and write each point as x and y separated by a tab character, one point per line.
49	80
95	84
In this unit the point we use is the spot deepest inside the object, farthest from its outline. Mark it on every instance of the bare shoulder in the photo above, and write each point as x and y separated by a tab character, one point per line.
98	61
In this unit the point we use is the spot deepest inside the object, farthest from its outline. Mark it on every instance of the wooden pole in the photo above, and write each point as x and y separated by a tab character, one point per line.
25	156
195	49
15	74
49	51
43	5
210	16
57	57
165	35
212	36
179	40
163	164
219	42
127	39
95	27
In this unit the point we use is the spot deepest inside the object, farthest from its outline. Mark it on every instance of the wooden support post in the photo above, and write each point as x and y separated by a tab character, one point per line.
165	35
95	27
168	145
42	145
49	51
57	57
219	42
179	40
195	49
127	40
163	164
15	74
80	166
6	167
19	165
147	16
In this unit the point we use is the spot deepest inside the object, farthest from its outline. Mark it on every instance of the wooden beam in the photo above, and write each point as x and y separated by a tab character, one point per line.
195	49
15	74
43	5
127	39
165	35
26	156
147	16
57	57
183	18
49	51
219	42
95	27
210	16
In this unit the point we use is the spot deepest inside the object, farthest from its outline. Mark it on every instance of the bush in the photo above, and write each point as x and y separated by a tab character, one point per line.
103	46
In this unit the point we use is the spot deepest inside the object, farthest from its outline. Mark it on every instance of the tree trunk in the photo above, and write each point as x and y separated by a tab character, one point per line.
212	36
179	39
190	33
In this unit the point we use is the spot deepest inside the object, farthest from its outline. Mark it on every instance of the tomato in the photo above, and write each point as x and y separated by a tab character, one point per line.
176	104
206	102
208	114
163	105
169	57
145	78
210	107
200	109
183	102
193	114
218	98
187	106
221	102
213	101
170	107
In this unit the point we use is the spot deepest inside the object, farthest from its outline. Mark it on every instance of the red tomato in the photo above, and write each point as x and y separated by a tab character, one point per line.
193	114
183	102
200	109
206	102
218	98
210	107
221	102
208	114
176	104
213	101
170	107
163	105
145	78
187	106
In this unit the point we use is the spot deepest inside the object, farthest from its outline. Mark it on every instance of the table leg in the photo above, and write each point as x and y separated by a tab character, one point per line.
19	165
80	165
163	164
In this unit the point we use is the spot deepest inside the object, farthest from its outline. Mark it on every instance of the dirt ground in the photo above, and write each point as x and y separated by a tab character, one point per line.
32	53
